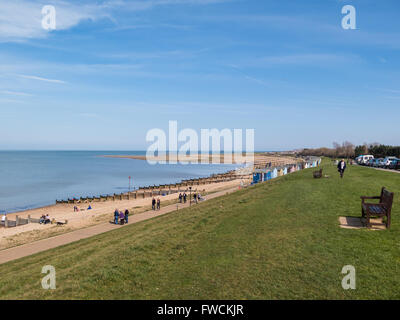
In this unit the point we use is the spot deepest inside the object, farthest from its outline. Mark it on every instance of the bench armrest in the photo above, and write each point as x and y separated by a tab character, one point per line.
365	197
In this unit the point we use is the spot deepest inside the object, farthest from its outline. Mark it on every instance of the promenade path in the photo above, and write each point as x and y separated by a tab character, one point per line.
66	238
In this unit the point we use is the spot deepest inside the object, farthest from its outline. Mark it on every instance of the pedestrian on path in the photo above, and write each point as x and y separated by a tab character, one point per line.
121	218
126	215
153	204
116	215
341	167
158	204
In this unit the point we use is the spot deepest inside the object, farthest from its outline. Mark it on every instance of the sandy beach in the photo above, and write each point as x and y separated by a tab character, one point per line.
103	211
100	212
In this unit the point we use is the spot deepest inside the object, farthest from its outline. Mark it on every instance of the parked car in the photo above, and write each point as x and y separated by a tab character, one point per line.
381	163
370	162
394	163
388	160
377	162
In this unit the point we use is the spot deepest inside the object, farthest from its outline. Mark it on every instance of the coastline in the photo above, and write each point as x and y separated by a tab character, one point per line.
102	211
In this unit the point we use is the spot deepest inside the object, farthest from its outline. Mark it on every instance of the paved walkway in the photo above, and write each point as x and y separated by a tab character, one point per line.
53	242
381	169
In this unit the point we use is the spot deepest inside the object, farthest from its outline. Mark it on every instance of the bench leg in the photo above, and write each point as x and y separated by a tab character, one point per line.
368	221
388	218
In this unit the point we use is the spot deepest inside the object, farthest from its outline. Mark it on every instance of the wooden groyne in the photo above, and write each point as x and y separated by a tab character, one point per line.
17	222
159	190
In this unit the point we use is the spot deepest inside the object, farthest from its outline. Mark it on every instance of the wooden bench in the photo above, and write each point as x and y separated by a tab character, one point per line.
317	174
381	209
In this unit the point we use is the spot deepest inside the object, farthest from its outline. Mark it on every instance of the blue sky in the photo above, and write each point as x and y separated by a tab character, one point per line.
112	70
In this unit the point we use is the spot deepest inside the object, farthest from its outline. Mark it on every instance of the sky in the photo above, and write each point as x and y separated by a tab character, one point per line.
113	70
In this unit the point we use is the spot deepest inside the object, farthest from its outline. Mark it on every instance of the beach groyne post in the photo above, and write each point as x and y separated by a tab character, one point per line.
6	222
29	218
16	220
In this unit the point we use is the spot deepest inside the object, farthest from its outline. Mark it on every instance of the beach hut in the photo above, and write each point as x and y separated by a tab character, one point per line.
292	169
256	177
285	171
268	175
280	172
274	173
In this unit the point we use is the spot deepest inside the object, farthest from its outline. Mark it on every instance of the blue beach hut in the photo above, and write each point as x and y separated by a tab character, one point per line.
256	177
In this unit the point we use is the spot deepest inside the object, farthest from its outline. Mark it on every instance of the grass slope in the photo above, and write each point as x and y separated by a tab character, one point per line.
277	240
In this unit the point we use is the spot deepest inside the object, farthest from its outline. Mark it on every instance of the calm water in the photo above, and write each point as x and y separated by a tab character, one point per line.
31	179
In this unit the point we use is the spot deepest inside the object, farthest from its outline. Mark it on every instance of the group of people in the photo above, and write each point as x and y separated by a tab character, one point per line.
155	205
44	219
76	209
183	197
121	217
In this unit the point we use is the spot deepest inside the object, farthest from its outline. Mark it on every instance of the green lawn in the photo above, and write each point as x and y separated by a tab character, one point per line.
277	240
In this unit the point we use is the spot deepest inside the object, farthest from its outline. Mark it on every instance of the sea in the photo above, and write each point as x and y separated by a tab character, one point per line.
33	179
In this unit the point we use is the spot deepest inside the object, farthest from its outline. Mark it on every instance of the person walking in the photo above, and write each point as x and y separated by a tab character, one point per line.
195	197
158	204
121	218
153	204
126	215
341	167
184	197
180	198
116	215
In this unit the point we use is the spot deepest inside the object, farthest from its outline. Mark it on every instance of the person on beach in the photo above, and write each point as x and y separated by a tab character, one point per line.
158	203
47	219
121	218
341	167
180	198
184	197
126	215
195	197
116	216
90	207
153	204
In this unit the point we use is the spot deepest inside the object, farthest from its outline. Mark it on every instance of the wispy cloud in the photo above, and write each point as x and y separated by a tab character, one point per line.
314	59
22	19
15	93
40	78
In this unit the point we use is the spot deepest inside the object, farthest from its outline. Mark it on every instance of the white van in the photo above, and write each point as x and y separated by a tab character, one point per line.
365	158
